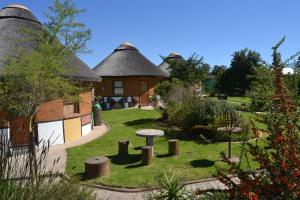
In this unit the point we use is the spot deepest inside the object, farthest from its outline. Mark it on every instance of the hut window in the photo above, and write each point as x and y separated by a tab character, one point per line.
71	108
118	87
143	86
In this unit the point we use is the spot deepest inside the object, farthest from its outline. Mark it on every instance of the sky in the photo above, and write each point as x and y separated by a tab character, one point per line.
213	29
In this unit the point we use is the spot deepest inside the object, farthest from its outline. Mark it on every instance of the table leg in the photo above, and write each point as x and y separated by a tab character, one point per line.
149	141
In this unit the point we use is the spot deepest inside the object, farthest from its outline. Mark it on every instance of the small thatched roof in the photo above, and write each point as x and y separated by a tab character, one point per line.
126	60
173	57
13	20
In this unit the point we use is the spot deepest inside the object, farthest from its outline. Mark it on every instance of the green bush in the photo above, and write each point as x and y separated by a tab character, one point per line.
171	187
192	112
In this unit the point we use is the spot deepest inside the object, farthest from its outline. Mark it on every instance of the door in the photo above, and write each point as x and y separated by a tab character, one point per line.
144	94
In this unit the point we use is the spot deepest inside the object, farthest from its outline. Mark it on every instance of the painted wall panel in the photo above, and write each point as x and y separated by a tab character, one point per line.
4	134
87	119
52	131
85	103
51	111
72	129
86	129
19	130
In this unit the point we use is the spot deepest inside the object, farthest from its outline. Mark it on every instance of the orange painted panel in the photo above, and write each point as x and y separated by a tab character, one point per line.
51	111
72	129
85	103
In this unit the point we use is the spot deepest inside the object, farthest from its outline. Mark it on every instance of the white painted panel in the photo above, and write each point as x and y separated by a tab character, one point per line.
126	105
86	129
4	133
52	131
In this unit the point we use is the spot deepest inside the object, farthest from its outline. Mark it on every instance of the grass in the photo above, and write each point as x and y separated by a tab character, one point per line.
236	100
196	161
239	100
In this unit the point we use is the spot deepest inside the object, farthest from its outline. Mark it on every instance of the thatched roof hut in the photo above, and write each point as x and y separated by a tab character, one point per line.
126	60
57	121
173	57
128	78
14	19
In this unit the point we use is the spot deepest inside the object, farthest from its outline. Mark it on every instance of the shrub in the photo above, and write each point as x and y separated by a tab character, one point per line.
192	112
170	188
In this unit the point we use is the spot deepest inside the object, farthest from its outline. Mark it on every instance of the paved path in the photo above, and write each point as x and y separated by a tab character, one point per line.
59	151
112	195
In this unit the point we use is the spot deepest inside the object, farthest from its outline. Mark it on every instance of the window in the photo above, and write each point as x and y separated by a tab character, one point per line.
71	108
143	86
118	87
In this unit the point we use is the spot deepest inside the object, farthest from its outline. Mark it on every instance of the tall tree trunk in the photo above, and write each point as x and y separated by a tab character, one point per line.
32	154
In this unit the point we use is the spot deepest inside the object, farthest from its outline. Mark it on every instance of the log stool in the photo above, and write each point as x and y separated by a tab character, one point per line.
173	147
123	149
147	155
97	166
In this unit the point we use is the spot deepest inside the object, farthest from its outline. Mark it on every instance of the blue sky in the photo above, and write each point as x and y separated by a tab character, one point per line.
213	29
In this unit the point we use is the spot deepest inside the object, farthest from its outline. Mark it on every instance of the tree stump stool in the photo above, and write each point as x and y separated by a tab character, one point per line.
173	147
147	155
123	149
96	167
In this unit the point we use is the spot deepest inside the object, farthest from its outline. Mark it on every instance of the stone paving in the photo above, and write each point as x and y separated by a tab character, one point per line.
113	195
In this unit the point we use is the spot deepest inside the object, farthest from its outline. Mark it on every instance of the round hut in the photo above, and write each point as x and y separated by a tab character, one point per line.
173	57
128	78
56	120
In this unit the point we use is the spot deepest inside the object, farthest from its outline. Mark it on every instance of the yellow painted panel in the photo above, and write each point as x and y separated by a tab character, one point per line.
72	128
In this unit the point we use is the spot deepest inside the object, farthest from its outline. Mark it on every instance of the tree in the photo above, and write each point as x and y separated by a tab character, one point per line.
218	70
261	88
192	71
34	77
279	163
234	80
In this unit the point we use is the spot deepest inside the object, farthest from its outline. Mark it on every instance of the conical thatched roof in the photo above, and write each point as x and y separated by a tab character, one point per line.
126	60
173	57
13	20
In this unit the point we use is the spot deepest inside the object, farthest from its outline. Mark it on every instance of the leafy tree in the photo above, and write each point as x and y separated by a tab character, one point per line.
34	77
234	80
261	88
192	71
218	70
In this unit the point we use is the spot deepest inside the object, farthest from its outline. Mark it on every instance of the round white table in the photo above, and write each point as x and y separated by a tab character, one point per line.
149	134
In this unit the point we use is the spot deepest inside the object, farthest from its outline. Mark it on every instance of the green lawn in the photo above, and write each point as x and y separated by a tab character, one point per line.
239	100
196	161
236	100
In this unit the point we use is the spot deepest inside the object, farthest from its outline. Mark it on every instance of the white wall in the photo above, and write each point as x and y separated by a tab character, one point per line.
86	129
5	132
51	130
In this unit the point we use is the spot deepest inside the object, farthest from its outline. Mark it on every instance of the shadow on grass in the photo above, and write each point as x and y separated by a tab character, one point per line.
163	155
142	123
81	176
202	163
134	166
138	148
131	159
